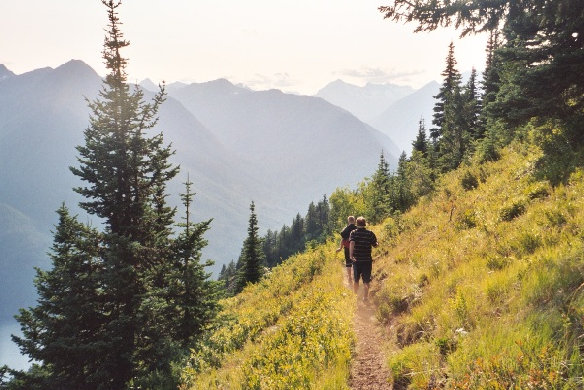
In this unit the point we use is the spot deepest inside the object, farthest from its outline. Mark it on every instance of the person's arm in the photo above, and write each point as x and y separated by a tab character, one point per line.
374	243
351	249
340	245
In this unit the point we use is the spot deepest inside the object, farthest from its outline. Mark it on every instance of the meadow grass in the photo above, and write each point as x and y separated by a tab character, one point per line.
483	285
293	330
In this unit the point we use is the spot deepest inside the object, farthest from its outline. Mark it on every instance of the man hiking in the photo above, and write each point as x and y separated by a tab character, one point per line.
361	242
345	234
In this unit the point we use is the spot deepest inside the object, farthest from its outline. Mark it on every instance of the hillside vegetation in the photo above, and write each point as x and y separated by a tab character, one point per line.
481	284
292	330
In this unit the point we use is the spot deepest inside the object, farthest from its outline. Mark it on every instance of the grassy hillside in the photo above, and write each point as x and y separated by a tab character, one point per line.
482	285
293	330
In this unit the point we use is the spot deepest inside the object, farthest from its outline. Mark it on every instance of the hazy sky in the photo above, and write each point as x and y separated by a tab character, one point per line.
293	45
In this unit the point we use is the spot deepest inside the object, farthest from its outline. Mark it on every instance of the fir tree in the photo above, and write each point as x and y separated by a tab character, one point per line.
63	330
380	192
312	222
252	256
445	100
125	174
450	134
472	107
420	144
193	294
402	198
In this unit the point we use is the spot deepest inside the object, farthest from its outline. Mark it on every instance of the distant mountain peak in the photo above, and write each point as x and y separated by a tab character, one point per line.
5	72
149	85
77	69
365	102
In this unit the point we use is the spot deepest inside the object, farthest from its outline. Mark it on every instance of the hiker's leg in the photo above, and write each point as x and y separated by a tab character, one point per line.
366	273
356	276
349	265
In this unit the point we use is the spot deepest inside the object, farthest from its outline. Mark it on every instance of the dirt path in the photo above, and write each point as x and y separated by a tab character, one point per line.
368	369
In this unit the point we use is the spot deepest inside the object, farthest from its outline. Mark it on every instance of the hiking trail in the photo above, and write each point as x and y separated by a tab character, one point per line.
368	367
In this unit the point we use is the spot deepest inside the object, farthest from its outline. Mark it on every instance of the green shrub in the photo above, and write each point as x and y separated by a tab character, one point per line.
466	220
538	190
446	345
469	181
528	243
512	210
555	217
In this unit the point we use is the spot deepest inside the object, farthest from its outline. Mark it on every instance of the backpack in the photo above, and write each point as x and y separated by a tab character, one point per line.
346	243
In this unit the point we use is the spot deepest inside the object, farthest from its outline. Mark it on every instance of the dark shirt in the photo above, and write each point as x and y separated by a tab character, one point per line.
364	239
347	231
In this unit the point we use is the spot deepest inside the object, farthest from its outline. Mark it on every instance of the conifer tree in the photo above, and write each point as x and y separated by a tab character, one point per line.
62	331
450	135
472	107
401	194
252	256
323	209
491	78
446	95
420	144
106	282
125	172
228	276
380	192
312	222
192	294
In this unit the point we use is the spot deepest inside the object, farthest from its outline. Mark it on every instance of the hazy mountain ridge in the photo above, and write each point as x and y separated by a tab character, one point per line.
365	102
400	121
314	148
394	110
299	145
5	73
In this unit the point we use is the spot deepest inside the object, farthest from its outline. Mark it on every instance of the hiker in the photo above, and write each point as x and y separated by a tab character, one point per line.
345	244
361	242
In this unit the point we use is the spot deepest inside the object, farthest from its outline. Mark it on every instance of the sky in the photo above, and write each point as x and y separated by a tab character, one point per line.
297	46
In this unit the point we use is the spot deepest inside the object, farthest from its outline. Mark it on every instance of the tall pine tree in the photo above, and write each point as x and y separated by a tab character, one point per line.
449	134
252	256
380	192
117	302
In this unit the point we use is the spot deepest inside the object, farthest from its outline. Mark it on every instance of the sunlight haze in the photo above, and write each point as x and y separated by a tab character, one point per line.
295	46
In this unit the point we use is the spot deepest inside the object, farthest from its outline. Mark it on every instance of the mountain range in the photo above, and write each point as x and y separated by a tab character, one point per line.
237	145
393	109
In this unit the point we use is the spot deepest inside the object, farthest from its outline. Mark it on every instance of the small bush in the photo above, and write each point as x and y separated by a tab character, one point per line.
469	181
466	220
512	210
528	243
409	333
537	191
445	345
496	292
555	217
